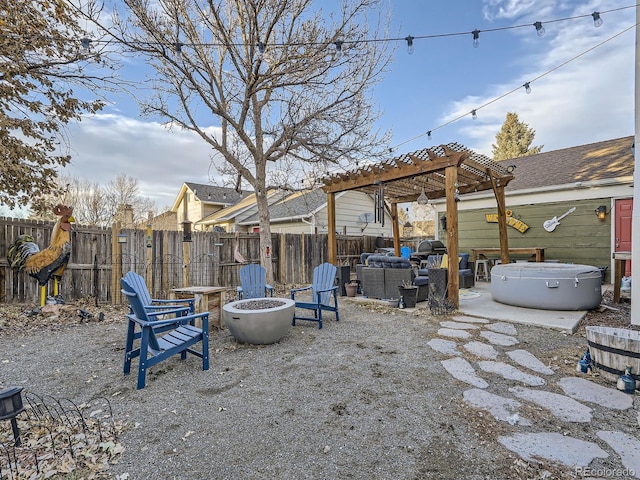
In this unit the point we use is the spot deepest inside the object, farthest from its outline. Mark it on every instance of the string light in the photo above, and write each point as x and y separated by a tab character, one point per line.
338	45
409	40
527	87
429	134
261	48
85	43
474	115
459	117
177	48
597	21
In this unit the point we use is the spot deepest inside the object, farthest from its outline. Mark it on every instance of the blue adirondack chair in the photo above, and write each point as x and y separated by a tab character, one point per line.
253	280
179	334
140	287
323	289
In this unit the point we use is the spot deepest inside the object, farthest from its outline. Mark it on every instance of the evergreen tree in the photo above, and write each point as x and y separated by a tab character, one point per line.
514	140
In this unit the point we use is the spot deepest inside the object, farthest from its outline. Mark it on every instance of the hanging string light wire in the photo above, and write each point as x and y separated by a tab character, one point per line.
459	117
409	40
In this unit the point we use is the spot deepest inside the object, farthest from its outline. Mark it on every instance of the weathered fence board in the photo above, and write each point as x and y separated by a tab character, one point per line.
98	260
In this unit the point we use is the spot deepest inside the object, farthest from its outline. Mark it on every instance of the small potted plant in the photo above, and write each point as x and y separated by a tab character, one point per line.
351	289
409	293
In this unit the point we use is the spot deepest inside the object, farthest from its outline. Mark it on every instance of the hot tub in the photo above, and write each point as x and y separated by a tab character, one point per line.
547	286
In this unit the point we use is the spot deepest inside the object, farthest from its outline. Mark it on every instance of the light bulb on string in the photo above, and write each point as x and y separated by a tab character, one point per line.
539	28
338	52
261	48
527	87
597	21
177	48
476	38
429	134
474	115
422	198
409	40
85	43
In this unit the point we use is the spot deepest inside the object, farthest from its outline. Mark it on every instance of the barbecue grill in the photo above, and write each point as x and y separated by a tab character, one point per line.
426	248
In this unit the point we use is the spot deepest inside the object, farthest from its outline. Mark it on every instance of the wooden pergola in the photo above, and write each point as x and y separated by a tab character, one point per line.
448	171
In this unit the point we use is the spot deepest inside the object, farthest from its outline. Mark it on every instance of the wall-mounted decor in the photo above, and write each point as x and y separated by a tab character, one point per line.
511	221
550	225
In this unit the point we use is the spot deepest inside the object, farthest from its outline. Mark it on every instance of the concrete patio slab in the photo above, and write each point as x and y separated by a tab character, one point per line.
484	306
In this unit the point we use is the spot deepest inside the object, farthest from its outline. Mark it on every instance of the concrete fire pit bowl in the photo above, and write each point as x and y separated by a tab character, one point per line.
259	321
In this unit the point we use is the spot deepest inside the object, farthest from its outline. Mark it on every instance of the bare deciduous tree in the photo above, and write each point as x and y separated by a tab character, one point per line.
92	203
283	82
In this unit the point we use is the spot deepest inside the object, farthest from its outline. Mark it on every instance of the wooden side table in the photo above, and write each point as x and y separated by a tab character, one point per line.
619	266
206	299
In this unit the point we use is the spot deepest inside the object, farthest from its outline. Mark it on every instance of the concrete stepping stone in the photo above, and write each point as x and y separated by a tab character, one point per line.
565	408
503	409
528	360
459	325
453	333
500	339
462	370
464	318
482	350
587	391
502	327
510	373
447	347
554	447
627	447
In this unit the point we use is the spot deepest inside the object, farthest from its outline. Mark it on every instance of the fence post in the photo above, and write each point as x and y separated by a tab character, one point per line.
116	260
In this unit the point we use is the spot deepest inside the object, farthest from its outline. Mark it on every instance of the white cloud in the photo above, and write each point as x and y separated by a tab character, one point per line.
106	145
587	100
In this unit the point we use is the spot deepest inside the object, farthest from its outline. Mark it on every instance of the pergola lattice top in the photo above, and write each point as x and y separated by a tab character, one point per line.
404	177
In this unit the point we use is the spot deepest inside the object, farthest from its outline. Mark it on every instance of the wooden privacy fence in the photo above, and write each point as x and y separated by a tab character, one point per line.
100	256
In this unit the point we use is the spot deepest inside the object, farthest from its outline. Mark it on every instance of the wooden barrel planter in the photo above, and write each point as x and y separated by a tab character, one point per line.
612	349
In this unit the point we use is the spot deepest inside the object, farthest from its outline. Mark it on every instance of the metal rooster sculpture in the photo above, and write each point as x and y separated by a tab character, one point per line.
24	253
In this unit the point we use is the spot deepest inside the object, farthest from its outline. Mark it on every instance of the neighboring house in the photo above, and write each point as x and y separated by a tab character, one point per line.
196	201
303	212
551	184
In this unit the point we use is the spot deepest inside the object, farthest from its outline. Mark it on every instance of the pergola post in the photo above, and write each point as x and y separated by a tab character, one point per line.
451	185
498	192
395	229
332	240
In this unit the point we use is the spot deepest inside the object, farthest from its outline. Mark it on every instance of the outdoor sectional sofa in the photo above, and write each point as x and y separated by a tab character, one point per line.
383	274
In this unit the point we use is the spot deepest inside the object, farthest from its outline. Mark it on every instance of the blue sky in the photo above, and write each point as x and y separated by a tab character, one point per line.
587	100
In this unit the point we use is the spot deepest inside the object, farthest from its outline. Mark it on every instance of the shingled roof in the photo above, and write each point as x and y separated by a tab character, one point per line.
607	160
214	194
295	206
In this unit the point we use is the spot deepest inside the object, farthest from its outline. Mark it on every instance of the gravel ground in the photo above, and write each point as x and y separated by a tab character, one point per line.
363	398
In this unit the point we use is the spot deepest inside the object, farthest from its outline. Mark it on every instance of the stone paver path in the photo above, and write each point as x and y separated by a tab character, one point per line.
503	409
459	325
627	447
447	347
527	360
510	372
565	408
472	347
462	370
585	390
453	333
482	350
499	338
556	447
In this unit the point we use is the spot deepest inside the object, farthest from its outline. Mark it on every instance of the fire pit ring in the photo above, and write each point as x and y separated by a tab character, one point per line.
259	321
